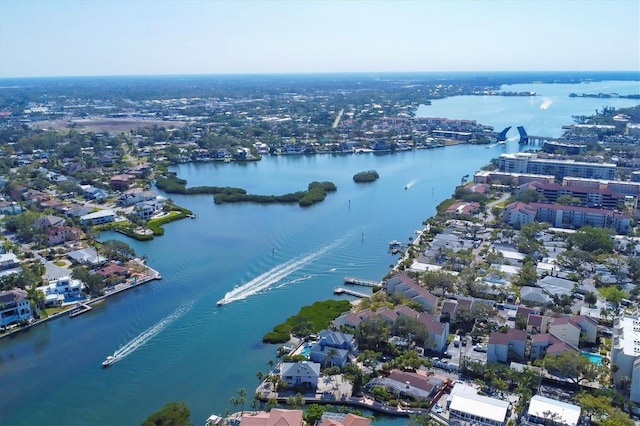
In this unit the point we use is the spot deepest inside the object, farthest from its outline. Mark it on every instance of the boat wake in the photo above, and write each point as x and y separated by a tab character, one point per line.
274	275
410	184
546	103
149	333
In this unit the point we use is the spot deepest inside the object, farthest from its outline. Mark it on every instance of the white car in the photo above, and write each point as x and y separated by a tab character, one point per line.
480	347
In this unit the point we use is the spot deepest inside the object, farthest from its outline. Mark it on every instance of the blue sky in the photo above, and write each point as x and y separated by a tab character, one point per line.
73	38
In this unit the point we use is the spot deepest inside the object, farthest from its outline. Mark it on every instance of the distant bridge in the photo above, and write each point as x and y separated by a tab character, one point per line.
528	139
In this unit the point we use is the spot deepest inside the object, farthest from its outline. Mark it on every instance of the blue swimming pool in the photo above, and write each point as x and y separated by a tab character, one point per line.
593	357
306	349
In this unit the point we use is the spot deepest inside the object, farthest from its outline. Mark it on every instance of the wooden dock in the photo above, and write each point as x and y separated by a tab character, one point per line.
360	281
340	290
80	309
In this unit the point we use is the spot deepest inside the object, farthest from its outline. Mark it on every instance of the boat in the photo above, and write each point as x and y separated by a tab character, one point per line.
394	243
109	360
222	302
406	187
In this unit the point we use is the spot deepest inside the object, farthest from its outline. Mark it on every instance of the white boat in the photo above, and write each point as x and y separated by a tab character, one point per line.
222	302
108	361
394	243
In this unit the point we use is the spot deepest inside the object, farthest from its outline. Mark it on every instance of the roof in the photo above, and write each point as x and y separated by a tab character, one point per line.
275	417
301	368
98	214
12	296
346	420
480	406
565	413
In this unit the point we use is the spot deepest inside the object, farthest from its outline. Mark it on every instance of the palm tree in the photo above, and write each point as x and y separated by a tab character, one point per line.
242	393
330	355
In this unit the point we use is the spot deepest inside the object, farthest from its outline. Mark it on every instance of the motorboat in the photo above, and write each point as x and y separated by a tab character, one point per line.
222	302
406	187
108	361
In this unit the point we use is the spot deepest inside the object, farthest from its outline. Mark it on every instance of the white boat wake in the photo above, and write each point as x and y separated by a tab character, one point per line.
546	103
274	275
410	184
149	333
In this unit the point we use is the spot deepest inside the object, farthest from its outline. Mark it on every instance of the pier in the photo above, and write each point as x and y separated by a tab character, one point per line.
80	309
340	290
361	282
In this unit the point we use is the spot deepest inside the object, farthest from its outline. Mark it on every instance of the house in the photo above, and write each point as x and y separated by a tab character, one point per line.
10	207
327	355
48	221
537	324
547	411
275	417
533	296
8	261
121	182
410	288
93	193
300	374
60	289
437	332
467	407
463	208
113	269
147	209
88	256
505	346
60	234
342	419
98	218
415	385
14	307
135	196
335	339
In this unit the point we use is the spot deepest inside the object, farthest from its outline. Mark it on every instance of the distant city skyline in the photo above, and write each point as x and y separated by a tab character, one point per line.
100	38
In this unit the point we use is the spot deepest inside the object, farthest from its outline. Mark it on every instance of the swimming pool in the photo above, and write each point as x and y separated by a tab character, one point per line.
593	357
306	349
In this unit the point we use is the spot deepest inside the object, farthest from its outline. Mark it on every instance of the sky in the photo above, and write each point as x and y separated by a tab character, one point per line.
144	37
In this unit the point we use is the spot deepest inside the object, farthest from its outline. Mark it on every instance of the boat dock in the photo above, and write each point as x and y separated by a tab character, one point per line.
360	281
340	290
80	309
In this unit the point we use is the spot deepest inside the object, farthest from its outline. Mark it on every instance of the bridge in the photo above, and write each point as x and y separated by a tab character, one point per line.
528	139
502	136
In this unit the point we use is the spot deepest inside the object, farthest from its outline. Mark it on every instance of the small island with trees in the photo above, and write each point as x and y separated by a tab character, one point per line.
366	177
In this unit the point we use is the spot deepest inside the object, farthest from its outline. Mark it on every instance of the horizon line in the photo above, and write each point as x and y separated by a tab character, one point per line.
246	74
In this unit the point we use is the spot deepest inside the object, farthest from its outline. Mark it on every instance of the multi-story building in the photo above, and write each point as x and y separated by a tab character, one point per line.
530	163
14	307
625	353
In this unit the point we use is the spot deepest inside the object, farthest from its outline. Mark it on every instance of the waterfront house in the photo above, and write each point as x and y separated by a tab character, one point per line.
466	406
60	289
300	374
335	339
113	269
274	417
328	356
98	218
343	419
14	307
121	182
147	209
417	386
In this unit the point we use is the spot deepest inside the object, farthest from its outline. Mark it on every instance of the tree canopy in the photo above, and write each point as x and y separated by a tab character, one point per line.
592	239
172	414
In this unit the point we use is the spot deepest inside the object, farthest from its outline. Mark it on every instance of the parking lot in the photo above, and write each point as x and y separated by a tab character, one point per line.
466	351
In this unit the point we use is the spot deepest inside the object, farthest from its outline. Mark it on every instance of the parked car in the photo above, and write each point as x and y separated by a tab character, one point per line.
481	347
438	408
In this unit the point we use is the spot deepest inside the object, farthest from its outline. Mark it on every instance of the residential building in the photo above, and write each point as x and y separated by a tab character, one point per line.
48	222
98	218
60	234
342	419
547	411
8	261
121	182
87	256
60	289
574	328
410	288
506	346
274	417
530	163
300	374
417	386
625	353
14	307
467	408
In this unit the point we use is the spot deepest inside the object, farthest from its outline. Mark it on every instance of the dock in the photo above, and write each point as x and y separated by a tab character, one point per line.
361	282
80	309
340	290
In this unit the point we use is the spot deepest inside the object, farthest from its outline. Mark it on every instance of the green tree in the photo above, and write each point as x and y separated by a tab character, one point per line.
117	250
590	298
593	240
313	413
572	367
172	414
528	275
439	279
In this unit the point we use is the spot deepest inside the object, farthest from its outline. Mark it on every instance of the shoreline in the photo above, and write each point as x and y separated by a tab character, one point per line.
152	276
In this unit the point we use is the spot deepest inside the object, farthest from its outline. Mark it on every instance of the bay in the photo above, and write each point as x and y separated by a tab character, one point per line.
280	257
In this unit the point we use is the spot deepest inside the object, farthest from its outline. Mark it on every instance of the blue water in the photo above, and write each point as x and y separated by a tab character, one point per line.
177	345
593	357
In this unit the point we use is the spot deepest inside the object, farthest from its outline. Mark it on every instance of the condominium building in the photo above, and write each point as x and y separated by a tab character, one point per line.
530	163
625	353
